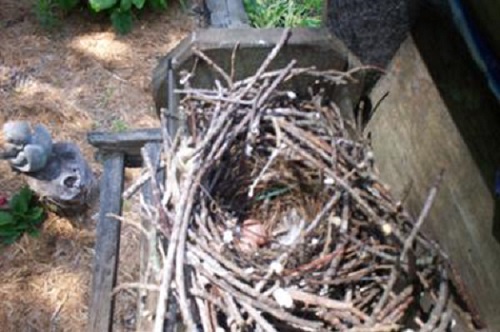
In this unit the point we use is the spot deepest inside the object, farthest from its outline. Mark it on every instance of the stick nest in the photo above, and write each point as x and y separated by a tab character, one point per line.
275	220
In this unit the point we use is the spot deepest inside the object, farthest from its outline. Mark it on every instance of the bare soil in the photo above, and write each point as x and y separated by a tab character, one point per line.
77	78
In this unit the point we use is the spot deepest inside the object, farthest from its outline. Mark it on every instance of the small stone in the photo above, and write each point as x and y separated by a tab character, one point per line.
336	221
227	237
329	181
386	229
276	267
283	298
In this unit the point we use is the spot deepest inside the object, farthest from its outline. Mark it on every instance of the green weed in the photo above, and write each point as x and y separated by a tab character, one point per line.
23	215
284	13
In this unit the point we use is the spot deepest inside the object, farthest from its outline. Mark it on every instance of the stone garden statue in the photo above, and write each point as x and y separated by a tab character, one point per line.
56	172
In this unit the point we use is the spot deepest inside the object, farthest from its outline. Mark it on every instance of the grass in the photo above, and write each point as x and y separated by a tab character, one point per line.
284	13
119	126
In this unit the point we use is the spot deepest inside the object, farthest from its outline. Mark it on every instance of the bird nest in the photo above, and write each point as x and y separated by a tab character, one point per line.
274	218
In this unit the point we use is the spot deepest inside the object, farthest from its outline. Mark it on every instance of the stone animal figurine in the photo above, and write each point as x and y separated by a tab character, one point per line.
56	172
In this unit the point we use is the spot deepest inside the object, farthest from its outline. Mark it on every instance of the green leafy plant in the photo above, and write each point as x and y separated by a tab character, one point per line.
44	11
23	215
284	13
120	11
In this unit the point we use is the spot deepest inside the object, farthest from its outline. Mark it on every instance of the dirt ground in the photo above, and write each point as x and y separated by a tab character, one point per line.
79	78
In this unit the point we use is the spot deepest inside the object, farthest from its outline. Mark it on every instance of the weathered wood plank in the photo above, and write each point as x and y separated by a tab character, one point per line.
440	114
107	245
130	143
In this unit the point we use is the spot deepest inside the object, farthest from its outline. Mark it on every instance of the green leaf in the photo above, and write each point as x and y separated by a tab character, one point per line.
139	3
22	226
19	203
34	232
67	5
36	214
10	239
158	4
122	21
125	5
99	5
6	218
8	231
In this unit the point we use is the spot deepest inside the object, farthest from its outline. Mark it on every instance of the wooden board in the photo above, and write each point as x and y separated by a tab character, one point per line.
440	114
130	143
107	245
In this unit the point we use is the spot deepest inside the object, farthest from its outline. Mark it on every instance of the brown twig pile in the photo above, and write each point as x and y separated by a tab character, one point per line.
275	219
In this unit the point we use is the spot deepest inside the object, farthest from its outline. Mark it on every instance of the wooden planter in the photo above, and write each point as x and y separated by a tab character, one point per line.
438	114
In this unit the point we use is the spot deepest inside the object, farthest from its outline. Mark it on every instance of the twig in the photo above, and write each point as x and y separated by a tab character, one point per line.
437	311
274	52
258	318
423	215
168	265
218	69
233	60
273	156
135	285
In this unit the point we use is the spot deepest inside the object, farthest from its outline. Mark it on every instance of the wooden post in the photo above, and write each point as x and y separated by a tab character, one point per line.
107	245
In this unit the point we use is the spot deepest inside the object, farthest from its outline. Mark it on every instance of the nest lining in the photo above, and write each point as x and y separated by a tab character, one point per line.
280	216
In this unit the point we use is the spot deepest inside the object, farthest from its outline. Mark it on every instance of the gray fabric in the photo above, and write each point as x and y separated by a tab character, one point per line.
372	29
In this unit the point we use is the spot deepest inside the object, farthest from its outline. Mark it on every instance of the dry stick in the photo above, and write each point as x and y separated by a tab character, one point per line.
200	293
273	73
343	184
399	311
233	60
285	71
328	240
326	209
376	328
423	215
168	268
333	268
408	243
179	273
371	250
135	285
152	169
276	312
255	314
228	264
366	300
202	306
261	99
231	280
445	320
274	52
124	221
401	297
197	95
318	146
436	312
132	189
218	69
324	302
281	112
233	310
273	156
